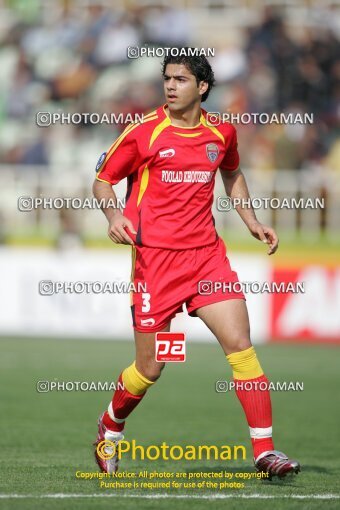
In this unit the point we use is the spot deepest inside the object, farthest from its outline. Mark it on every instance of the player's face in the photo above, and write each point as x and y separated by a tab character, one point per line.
181	89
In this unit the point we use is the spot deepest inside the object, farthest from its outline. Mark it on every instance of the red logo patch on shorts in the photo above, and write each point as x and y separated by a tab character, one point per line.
170	346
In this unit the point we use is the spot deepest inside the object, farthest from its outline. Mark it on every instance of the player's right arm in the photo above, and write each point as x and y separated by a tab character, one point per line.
104	193
119	162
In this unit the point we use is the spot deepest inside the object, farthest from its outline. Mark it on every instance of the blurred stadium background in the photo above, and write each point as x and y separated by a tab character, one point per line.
70	56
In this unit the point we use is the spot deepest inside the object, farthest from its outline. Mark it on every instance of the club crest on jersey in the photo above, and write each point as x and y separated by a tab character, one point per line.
100	161
212	152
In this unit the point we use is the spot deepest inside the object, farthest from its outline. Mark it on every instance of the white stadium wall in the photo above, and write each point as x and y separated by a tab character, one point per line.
312	316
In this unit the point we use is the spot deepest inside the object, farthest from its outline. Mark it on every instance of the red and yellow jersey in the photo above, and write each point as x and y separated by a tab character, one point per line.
171	174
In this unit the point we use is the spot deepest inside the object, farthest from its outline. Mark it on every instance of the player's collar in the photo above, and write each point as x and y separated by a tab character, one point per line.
165	108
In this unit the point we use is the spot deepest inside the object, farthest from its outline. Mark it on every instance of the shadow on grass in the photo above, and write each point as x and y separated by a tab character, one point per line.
288	481
218	469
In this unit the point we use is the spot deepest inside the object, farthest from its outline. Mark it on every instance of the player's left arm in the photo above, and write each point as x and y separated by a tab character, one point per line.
235	186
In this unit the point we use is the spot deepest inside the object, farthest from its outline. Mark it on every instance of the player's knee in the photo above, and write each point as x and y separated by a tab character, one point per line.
151	369
138	378
239	344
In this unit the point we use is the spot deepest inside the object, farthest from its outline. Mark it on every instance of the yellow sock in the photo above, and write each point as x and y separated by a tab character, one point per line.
134	381
245	364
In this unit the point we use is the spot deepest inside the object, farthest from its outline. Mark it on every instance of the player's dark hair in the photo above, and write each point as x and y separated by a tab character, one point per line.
197	65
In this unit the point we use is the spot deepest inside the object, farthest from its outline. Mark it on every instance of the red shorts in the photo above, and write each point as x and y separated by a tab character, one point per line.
166	279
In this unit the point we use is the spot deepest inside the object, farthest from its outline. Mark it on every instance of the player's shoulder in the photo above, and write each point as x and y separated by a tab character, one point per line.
146	124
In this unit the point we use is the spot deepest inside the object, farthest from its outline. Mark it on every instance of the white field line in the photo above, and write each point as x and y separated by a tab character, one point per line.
172	496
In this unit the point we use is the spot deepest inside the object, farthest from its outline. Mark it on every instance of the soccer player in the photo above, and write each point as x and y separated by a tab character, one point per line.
170	161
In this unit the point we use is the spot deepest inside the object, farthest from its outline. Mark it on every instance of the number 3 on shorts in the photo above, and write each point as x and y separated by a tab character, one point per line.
146	302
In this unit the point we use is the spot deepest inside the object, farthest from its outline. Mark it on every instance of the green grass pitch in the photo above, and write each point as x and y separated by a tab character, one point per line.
47	437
